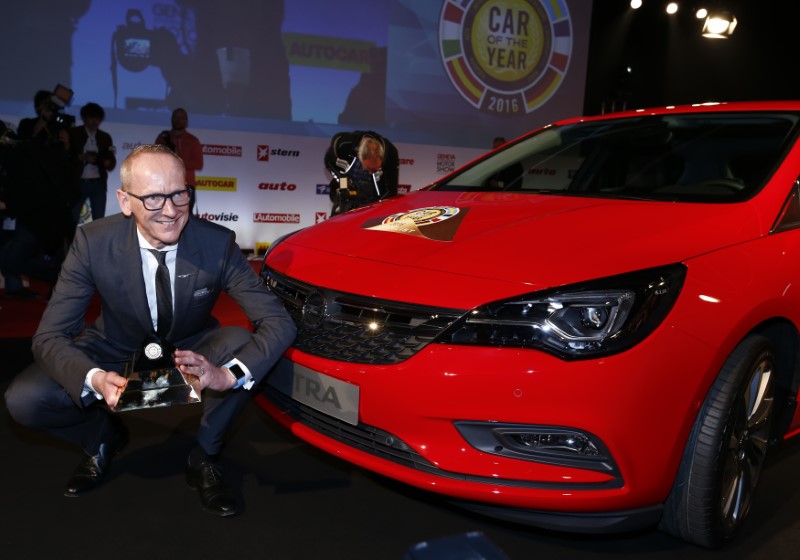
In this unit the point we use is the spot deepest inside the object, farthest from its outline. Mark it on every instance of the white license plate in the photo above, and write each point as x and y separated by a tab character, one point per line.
317	390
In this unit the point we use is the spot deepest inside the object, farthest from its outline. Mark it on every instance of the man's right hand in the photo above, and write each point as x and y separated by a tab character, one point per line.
110	384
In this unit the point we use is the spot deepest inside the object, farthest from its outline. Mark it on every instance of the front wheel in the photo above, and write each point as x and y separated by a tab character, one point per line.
725	453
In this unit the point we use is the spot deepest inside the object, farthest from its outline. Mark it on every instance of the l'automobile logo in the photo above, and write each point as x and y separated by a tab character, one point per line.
315	309
506	57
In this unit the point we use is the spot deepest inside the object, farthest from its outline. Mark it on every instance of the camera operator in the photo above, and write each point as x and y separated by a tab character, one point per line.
92	152
365	169
37	198
48	126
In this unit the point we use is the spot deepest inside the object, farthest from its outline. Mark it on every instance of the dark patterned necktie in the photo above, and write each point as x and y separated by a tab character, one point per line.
163	294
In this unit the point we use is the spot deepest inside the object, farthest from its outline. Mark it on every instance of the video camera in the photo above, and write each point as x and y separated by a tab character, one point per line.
61	96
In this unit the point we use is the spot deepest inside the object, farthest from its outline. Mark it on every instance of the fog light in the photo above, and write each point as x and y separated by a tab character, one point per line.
570	443
554	445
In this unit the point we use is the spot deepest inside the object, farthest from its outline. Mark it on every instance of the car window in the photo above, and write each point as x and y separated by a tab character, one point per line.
708	157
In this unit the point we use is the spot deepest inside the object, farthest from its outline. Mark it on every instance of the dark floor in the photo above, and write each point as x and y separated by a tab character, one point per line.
300	503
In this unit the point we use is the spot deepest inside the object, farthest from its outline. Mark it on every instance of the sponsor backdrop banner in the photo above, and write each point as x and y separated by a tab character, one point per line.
266	84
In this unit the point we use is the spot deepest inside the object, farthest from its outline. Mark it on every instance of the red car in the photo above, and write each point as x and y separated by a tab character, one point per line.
593	328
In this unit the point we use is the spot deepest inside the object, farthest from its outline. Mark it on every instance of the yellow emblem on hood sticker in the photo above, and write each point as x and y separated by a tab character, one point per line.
433	222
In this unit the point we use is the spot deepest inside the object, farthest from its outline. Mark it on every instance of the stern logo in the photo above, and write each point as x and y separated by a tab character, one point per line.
505	57
264	152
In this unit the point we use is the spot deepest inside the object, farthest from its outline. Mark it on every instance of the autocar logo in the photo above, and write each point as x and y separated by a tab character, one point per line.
315	309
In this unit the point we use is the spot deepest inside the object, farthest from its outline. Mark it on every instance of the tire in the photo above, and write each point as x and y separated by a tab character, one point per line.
725	453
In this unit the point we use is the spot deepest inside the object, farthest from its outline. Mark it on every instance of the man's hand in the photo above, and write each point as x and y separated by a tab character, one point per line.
210	376
110	384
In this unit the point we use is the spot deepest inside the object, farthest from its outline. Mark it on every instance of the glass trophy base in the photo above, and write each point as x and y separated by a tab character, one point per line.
154	381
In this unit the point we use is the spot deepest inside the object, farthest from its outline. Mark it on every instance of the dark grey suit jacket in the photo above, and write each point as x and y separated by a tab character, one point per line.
105	258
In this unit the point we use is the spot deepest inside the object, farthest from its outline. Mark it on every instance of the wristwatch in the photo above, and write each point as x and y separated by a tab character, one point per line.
243	376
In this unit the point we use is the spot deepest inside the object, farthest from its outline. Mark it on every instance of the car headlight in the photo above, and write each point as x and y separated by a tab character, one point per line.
584	320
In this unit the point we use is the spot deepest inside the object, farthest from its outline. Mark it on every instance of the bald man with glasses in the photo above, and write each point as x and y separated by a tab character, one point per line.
158	272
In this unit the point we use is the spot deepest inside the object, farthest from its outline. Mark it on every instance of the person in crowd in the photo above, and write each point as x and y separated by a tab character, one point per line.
37	196
185	144
158	271
93	156
365	167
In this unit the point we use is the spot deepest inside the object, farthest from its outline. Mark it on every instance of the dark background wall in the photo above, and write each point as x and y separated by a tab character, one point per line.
672	64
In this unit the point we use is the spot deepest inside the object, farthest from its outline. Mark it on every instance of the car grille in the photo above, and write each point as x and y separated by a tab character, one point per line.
350	328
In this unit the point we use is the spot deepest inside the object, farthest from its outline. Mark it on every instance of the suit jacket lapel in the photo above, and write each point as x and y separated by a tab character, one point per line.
186	269
129	258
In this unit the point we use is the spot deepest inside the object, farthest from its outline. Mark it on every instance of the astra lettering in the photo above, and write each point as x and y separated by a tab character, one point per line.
313	388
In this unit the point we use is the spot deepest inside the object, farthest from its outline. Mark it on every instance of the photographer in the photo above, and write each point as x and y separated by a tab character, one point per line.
365	169
92	154
38	181
48	126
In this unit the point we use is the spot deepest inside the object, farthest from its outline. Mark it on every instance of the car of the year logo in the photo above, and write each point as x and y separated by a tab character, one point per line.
593	328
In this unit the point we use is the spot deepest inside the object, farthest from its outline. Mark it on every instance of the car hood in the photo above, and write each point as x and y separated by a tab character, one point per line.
508	243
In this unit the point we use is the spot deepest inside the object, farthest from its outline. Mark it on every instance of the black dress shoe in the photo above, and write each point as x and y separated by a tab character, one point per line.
93	468
216	496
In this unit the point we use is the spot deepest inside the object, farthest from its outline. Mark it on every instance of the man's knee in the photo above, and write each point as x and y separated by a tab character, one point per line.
32	398
22	400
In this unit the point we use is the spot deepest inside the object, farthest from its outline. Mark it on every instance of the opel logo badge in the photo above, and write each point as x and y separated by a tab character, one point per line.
315	309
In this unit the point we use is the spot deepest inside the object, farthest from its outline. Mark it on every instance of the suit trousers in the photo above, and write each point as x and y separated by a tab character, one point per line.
35	400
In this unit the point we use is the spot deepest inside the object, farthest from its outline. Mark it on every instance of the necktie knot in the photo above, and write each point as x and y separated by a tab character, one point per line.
161	256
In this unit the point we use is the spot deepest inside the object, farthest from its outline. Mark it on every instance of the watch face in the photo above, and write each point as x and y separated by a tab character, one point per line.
237	371
153	351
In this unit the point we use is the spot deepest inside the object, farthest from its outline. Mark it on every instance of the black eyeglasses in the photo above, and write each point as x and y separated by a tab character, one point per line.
155	202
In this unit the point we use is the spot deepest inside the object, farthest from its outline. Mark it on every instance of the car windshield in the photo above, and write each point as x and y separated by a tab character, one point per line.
708	157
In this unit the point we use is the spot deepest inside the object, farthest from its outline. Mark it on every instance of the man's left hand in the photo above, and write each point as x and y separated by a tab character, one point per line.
210	376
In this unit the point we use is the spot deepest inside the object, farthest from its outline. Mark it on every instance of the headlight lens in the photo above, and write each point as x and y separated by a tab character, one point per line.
580	321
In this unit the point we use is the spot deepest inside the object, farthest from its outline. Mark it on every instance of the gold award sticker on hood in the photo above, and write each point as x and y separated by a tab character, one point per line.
434	222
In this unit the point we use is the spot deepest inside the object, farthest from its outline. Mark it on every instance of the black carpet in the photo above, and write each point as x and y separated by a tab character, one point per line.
300	503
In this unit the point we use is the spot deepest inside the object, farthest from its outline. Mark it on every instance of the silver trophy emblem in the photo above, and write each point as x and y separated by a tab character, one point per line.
154	381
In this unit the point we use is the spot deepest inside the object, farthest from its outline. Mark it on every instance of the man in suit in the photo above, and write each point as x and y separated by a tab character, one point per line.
93	155
75	383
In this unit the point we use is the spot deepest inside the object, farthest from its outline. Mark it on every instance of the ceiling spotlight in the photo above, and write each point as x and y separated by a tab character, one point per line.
636	4
672	8
701	13
719	25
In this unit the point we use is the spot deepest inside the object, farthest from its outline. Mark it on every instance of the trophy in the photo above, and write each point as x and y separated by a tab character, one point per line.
154	381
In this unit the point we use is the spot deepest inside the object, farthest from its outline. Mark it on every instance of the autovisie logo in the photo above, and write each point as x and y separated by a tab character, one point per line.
505	57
